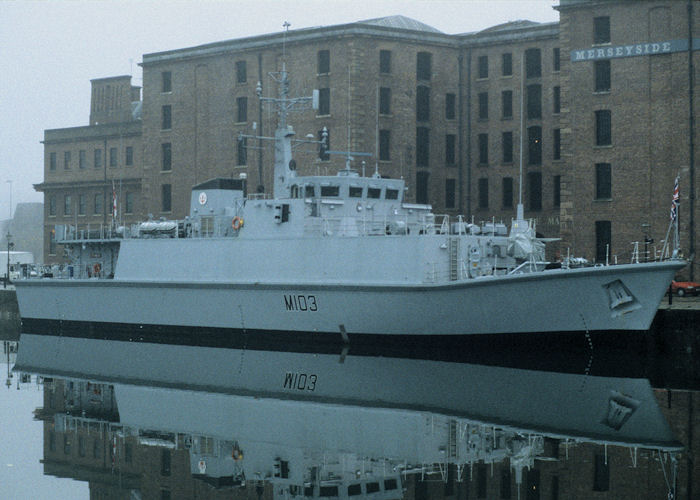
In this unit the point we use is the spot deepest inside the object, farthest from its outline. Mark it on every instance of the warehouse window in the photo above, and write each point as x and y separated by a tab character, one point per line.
507	64
483	193
422	103
450	149
483	105
603	181
422	146
507	147
166	81
384	101
601	30
603	243
533	63
534	188
450	193
483	63
166	198
507	192
166	157
534	102
556	59
507	104
241	109
385	61
534	141
423	65
385	145
603	128
241	72
98	204
450	106
242	152
324	62
324	102
602	75
166	117
483	149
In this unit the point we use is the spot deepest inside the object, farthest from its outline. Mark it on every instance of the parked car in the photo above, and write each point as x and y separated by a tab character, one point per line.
683	288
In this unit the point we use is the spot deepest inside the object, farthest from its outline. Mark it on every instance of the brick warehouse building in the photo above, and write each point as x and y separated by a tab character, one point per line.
607	121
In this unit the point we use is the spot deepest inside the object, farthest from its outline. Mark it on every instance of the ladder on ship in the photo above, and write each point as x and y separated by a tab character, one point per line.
453	249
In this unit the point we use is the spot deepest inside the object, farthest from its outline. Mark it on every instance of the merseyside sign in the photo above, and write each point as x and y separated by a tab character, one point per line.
633	50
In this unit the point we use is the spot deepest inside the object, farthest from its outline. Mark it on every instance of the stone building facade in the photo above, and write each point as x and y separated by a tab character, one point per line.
629	81
604	135
86	167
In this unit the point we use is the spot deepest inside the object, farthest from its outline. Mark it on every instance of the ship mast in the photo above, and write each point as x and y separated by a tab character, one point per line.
285	166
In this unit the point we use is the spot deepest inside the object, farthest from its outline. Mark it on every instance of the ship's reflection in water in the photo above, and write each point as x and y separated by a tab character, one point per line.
138	420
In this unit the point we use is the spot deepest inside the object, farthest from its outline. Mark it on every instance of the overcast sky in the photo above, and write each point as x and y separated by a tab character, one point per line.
50	50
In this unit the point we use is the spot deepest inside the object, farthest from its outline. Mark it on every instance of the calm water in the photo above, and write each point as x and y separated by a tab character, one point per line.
86	418
21	472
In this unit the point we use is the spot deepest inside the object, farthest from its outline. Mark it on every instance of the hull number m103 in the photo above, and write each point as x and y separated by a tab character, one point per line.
300	381
300	303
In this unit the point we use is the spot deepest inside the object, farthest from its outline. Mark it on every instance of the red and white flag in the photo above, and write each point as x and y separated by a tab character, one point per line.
676	200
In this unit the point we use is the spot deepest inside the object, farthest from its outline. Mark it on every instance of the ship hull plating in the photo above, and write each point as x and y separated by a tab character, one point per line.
621	297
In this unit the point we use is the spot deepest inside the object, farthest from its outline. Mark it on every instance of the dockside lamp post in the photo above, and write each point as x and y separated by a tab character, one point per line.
9	246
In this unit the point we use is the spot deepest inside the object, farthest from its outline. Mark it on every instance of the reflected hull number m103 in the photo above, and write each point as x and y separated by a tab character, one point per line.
300	381
300	303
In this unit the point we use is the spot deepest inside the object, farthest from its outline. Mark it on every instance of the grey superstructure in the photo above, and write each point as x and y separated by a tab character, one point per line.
340	255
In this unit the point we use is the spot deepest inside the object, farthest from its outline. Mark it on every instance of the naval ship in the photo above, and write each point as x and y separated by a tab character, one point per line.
329	257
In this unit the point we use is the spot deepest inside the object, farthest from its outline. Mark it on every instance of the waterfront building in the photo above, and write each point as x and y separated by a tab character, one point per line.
90	169
606	97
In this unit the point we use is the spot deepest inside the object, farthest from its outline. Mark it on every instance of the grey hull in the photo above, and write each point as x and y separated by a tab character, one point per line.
551	301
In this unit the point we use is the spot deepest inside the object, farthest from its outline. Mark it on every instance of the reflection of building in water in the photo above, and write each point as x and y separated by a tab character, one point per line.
168	443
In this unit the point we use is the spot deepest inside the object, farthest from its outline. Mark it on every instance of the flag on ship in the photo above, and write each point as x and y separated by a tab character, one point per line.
676	200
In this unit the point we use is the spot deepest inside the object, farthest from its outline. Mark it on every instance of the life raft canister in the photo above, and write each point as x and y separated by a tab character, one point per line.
237	223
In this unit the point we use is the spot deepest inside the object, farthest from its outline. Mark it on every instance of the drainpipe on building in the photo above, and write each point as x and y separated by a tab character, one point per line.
691	144
104	188
469	133
460	130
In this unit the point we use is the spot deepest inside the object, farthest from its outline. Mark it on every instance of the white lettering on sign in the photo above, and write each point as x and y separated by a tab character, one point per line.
637	49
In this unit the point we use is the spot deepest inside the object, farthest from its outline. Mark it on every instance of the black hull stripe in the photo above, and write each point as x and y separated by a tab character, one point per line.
616	352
